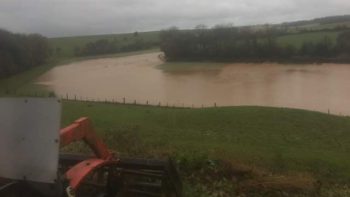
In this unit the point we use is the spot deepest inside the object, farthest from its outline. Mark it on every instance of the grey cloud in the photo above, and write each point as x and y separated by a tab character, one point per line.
84	17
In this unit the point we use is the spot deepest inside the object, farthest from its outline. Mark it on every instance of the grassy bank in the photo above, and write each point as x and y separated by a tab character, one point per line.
260	141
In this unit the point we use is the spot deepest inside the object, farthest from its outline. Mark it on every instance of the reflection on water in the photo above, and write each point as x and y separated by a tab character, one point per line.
315	87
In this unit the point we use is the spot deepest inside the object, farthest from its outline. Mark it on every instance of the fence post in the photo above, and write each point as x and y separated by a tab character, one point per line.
135	102
214	104
147	102
159	104
124	100
75	97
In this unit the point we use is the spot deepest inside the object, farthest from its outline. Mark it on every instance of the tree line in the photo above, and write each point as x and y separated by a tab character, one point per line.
19	52
109	46
228	43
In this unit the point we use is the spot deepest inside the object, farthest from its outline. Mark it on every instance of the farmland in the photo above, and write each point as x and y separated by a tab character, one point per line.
283	149
221	151
263	142
67	45
298	39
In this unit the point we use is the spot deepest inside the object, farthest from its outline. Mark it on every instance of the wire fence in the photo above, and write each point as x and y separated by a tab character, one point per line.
119	101
122	101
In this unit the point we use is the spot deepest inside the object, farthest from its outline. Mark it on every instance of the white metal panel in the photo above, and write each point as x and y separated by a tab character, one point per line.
29	138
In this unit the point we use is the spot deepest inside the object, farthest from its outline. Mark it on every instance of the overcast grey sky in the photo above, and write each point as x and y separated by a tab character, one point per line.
85	17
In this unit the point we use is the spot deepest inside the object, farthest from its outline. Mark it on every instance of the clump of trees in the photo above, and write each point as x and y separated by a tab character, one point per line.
228	43
108	46
19	52
343	44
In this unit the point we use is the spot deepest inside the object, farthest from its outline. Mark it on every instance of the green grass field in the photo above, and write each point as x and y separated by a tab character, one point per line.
318	26
68	44
274	140
298	39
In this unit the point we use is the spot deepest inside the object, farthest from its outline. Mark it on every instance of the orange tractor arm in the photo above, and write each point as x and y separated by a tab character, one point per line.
128	177
82	129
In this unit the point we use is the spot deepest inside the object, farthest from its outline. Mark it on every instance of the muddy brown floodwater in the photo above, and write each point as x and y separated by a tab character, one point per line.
315	87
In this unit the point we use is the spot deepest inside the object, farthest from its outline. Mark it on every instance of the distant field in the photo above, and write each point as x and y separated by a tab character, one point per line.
68	44
334	25
318	26
298	39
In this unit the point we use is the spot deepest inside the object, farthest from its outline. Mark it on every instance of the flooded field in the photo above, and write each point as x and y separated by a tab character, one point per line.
323	87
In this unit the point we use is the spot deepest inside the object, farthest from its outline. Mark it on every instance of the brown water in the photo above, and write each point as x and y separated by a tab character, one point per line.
314	87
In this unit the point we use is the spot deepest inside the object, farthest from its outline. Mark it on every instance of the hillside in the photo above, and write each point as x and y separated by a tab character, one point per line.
66	46
298	32
324	21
